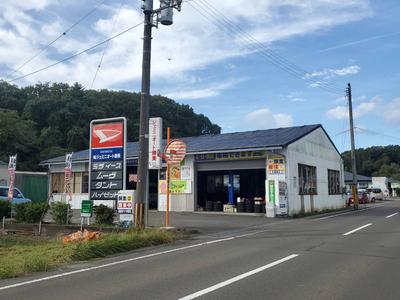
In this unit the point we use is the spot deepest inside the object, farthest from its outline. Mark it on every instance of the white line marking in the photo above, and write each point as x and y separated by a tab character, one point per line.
112	264
389	216
357	229
349	212
237	278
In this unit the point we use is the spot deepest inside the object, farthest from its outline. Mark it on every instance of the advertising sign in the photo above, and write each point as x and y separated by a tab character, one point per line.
12	166
271	191
155	143
276	165
175	187
86	208
107	158
125	201
67	176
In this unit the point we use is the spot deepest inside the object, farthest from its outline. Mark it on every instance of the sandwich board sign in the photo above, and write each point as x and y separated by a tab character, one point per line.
107	161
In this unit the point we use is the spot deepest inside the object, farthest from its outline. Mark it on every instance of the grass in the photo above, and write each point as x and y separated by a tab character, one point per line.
20	255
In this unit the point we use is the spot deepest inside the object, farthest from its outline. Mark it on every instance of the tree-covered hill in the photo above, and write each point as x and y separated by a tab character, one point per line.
376	161
47	120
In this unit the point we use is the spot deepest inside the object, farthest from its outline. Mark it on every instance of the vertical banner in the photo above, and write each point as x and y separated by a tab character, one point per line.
271	191
107	162
67	177
12	166
155	143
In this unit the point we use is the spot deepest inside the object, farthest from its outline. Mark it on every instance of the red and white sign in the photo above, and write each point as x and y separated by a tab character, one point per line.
175	152
155	143
12	166
108	135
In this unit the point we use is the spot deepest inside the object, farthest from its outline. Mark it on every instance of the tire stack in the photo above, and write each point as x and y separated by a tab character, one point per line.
249	205
240	205
218	206
258	208
209	206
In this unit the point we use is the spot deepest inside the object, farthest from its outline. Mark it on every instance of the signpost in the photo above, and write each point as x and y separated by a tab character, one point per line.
86	211
12	166
107	161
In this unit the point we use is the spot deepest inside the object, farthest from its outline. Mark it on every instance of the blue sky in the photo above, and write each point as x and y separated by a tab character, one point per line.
220	74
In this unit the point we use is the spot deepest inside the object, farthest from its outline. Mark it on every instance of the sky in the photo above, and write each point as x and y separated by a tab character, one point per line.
246	64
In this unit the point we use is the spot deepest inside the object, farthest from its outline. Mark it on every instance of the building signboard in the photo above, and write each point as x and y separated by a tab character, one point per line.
107	158
236	155
155	143
276	165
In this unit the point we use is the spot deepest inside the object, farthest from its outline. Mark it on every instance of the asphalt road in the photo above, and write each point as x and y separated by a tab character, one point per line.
354	255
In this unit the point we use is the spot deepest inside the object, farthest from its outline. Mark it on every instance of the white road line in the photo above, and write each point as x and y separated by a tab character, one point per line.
357	229
389	216
237	278
112	264
349	212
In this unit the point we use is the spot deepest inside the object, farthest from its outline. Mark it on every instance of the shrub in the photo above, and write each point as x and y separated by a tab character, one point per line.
30	212
4	208
104	214
59	211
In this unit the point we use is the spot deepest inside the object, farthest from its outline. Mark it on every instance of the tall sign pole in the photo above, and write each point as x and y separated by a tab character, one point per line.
163	15
353	151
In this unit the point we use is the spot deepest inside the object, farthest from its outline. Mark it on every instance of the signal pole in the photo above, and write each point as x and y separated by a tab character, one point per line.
164	15
353	151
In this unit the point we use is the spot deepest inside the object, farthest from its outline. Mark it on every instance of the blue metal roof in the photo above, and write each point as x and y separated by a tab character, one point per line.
348	177
278	137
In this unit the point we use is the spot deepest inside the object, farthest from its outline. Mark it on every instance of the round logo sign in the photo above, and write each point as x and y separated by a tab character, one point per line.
175	152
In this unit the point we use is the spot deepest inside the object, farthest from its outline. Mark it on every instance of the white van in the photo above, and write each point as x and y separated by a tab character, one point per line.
374	194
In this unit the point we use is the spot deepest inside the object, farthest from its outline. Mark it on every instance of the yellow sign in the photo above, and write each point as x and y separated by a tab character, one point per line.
276	165
176	187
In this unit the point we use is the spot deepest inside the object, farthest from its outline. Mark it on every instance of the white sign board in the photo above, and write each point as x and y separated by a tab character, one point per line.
155	143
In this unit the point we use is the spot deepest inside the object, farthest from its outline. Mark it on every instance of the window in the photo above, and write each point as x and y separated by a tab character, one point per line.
333	182
307	180
85	183
77	188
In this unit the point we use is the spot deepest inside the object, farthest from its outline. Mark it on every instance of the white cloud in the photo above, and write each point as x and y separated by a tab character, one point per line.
364	108
295	97
331	73
264	118
192	42
391	112
211	91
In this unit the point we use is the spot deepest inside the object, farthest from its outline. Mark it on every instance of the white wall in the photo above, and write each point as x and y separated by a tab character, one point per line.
181	202
314	149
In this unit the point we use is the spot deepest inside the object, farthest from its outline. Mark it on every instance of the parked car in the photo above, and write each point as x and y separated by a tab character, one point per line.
375	194
18	197
362	198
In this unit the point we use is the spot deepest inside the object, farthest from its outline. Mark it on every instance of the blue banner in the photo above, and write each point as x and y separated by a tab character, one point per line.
107	154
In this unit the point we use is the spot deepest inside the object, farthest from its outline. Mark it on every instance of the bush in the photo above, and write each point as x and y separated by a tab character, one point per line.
4	208
104	214
30	212
59	211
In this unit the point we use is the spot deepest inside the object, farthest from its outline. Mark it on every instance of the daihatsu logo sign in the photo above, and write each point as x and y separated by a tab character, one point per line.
107	135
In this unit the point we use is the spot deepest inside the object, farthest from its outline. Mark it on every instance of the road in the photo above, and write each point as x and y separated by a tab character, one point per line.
354	255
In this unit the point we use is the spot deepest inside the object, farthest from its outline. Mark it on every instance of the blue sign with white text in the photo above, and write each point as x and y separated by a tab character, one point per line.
108	154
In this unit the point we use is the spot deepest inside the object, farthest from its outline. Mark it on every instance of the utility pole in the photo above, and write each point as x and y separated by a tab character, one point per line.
164	15
353	150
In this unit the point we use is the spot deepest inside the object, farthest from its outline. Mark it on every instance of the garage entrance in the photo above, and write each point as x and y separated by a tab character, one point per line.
216	188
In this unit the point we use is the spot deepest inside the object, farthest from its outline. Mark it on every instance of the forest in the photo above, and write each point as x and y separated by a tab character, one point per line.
47	120
376	161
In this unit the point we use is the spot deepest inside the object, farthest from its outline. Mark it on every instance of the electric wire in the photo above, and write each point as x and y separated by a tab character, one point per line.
278	61
107	44
64	33
271	51
275	57
76	54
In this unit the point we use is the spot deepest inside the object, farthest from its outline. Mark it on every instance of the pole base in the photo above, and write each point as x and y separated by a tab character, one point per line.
139	215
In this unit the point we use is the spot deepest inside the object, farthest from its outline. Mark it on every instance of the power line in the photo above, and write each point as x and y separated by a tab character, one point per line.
108	43
76	54
56	39
275	57
217	18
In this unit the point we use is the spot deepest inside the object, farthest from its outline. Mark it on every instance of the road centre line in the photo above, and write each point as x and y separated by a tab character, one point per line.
357	229
392	215
237	278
